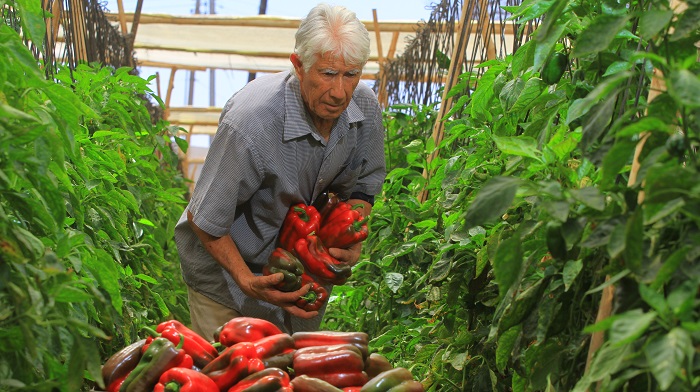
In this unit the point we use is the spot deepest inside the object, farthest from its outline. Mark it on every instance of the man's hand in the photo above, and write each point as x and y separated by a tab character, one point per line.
350	255
263	287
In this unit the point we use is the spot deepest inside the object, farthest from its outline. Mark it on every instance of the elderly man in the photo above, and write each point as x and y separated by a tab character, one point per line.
283	139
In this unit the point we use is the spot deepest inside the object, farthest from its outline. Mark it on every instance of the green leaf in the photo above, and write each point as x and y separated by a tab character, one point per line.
599	34
683	86
609	282
571	270
654	212
590	196
597	121
492	201
669	267
629	326
634	242
608	360
653	21
603	90
506	342
524	146
645	124
393	280
507	264
665	355
687	23
32	19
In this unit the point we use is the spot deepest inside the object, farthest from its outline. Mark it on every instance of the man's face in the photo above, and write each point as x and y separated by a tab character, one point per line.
327	86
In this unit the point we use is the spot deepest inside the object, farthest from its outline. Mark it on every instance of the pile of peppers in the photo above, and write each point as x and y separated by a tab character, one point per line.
253	355
303	242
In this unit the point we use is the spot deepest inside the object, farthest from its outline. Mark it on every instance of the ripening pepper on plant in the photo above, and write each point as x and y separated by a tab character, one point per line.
161	354
185	380
267	380
244	329
317	261
315	297
289	265
300	221
343	227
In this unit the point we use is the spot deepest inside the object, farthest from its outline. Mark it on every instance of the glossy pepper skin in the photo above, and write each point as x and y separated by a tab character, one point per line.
120	364
327	338
267	380
201	352
395	380
343	227
317	261
315	298
300	221
234	364
339	367
289	265
160	356
185	380
304	383
244	329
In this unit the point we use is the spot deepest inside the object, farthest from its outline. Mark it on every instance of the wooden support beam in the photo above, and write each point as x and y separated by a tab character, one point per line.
169	93
78	31
122	17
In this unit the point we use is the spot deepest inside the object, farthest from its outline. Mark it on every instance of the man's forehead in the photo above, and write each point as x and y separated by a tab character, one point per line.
335	62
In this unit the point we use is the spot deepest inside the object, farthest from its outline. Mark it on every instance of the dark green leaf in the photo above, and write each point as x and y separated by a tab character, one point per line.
688	22
683	86
507	264
665	355
590	196
653	21
629	326
597	121
599	34
634	242
572	268
506	342
492	201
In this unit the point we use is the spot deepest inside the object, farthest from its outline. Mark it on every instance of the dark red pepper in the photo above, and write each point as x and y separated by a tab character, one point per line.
161	354
340	367
201	351
271	379
120	364
234	364
300	221
274	345
306	383
185	380
285	262
344	226
358	339
316	296
244	329
317	261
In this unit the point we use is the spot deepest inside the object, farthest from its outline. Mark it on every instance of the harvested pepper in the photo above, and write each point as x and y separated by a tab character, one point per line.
244	329
315	297
185	380
339	367
306	383
274	345
300	221
271	379
285	262
160	356
376	363
234	364
395	380
201	351
120	364
317	261
328	338
344	226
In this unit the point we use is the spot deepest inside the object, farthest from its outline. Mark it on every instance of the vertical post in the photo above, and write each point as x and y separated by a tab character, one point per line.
446	103
212	71
78	32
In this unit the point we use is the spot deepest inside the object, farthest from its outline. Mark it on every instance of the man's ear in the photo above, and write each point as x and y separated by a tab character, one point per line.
296	62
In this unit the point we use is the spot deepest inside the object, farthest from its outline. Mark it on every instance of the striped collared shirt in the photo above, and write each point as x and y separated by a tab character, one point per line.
265	157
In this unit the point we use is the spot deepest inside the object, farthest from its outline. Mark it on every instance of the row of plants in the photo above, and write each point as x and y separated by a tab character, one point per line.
535	208
90	192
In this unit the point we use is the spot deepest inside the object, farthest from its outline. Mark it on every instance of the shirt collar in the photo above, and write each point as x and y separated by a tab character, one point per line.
296	122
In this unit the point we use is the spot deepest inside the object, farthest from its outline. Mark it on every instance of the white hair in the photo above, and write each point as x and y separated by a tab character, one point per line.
335	30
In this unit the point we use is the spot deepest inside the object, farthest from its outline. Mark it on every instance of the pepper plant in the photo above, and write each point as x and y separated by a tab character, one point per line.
536	205
89	194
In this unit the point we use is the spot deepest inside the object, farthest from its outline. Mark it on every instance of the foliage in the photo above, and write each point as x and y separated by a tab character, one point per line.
89	194
536	206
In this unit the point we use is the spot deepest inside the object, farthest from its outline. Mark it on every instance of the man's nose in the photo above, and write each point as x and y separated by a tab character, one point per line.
337	89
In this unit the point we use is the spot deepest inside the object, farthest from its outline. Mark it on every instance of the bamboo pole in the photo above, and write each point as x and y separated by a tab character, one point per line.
169	93
446	103
122	17
383	93
78	30
484	19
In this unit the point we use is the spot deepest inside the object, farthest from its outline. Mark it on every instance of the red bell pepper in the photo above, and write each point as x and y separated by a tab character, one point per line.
344	226
304	383
328	338
316	296
300	221
353	389
120	364
271	379
244	329
234	364
201	351
317	261
285	262
274	345
339	367
185	380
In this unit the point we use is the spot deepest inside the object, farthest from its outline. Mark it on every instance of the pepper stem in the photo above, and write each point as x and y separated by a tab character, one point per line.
172	386
302	214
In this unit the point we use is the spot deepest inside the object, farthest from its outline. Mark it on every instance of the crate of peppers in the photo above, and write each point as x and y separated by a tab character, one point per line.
252	355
